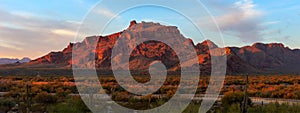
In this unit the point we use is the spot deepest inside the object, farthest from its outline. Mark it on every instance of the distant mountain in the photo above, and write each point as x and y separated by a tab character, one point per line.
256	59
274	57
14	60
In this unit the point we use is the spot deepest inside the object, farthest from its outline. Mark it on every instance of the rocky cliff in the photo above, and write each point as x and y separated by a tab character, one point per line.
258	58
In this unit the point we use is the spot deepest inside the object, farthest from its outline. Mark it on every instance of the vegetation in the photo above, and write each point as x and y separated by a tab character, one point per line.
6	104
233	101
276	108
59	93
71	105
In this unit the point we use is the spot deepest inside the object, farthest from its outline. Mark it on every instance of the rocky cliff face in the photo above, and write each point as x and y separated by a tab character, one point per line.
257	58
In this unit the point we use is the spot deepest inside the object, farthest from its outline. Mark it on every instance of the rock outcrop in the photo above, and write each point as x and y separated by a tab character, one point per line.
258	58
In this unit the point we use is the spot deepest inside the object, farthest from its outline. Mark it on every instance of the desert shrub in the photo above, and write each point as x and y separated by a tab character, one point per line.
233	99
45	98
73	105
6	104
275	108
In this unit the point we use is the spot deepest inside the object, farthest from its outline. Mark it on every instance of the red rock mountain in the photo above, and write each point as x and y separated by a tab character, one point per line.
258	58
273	57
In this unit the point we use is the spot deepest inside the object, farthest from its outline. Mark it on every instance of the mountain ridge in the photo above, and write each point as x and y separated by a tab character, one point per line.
258	58
14	60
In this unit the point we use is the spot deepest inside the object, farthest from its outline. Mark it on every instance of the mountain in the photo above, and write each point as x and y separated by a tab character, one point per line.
143	52
273	57
140	58
14	60
140	39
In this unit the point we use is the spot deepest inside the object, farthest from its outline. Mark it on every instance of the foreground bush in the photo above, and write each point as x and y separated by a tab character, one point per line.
72	105
276	108
233	101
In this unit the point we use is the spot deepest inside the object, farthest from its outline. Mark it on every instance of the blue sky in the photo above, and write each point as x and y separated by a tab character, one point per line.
32	28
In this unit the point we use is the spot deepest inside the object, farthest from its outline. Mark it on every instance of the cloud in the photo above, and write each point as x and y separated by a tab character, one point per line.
24	34
269	23
9	46
64	32
106	12
243	20
240	19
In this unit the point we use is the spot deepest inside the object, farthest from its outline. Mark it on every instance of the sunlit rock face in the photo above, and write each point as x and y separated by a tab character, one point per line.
143	47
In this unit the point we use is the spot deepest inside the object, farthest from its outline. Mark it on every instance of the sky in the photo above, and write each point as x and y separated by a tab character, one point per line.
32	28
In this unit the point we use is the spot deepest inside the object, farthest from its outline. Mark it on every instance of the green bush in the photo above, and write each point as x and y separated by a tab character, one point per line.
276	108
6	104
72	105
233	99
45	98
